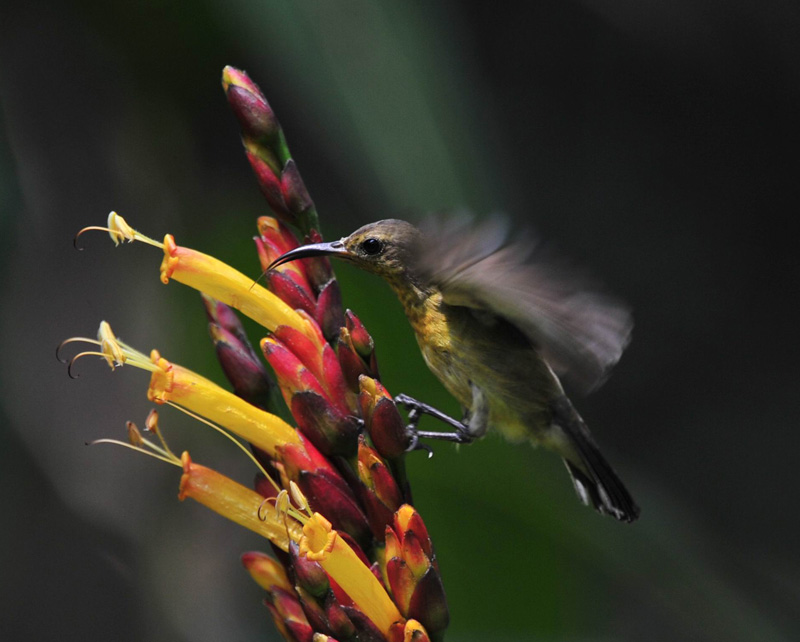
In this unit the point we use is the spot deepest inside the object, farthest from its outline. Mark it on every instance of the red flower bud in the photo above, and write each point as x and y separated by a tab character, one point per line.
270	185
382	497
382	419
408	631
324	493
314	611
323	365
275	240
308	574
428	603
277	235
305	456
362	340
413	573
330	431
223	315
293	376
294	190
250	107
284	284
339	621
365	629
350	362
328	312
286	608
401	581
247	374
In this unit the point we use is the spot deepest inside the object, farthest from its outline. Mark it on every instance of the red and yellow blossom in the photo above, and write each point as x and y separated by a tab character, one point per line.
353	559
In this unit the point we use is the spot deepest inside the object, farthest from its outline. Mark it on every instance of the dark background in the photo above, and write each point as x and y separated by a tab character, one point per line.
654	143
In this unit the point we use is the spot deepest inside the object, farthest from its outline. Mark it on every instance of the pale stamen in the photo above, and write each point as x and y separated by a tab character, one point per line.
119	231
283	508
151	426
112	350
144	446
124	444
134	436
299	498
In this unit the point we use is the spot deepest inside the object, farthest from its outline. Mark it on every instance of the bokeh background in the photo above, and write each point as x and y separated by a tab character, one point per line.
653	142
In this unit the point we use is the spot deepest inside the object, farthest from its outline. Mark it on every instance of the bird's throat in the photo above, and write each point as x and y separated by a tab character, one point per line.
417	302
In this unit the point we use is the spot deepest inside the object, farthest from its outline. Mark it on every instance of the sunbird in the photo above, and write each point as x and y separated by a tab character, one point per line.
497	321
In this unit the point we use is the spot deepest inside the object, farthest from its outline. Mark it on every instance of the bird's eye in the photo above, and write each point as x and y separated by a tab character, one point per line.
371	246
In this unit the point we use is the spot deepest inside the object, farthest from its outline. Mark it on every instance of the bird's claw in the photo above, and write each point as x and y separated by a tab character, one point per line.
414	442
461	434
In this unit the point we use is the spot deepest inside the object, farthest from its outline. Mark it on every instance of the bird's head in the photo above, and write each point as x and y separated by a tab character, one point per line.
385	248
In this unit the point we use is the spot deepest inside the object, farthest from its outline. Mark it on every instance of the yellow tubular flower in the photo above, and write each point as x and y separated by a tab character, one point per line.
175	384
221	282
322	544
236	502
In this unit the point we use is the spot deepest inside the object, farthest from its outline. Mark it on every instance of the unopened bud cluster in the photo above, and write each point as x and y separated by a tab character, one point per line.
350	462
352	561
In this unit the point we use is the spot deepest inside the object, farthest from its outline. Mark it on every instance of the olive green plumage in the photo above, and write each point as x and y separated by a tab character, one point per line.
495	321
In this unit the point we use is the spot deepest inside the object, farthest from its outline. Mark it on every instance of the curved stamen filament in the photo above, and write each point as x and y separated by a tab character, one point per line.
80	355
72	340
170	460
284	510
138	443
239	444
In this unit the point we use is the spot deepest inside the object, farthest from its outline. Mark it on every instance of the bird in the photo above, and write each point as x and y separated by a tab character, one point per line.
499	320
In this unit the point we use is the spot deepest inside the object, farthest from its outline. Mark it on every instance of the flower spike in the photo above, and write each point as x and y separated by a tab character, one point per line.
351	559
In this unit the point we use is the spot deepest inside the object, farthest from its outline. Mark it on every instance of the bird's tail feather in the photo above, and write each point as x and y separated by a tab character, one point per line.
595	481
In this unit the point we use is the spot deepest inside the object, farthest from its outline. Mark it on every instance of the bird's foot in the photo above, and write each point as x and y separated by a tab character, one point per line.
416	444
461	434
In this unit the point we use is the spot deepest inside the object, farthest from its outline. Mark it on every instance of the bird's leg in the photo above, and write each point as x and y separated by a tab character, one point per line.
465	432
418	408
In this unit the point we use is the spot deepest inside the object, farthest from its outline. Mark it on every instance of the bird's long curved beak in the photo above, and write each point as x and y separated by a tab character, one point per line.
334	248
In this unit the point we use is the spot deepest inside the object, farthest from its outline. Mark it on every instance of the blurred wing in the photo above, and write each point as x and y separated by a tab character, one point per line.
579	332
